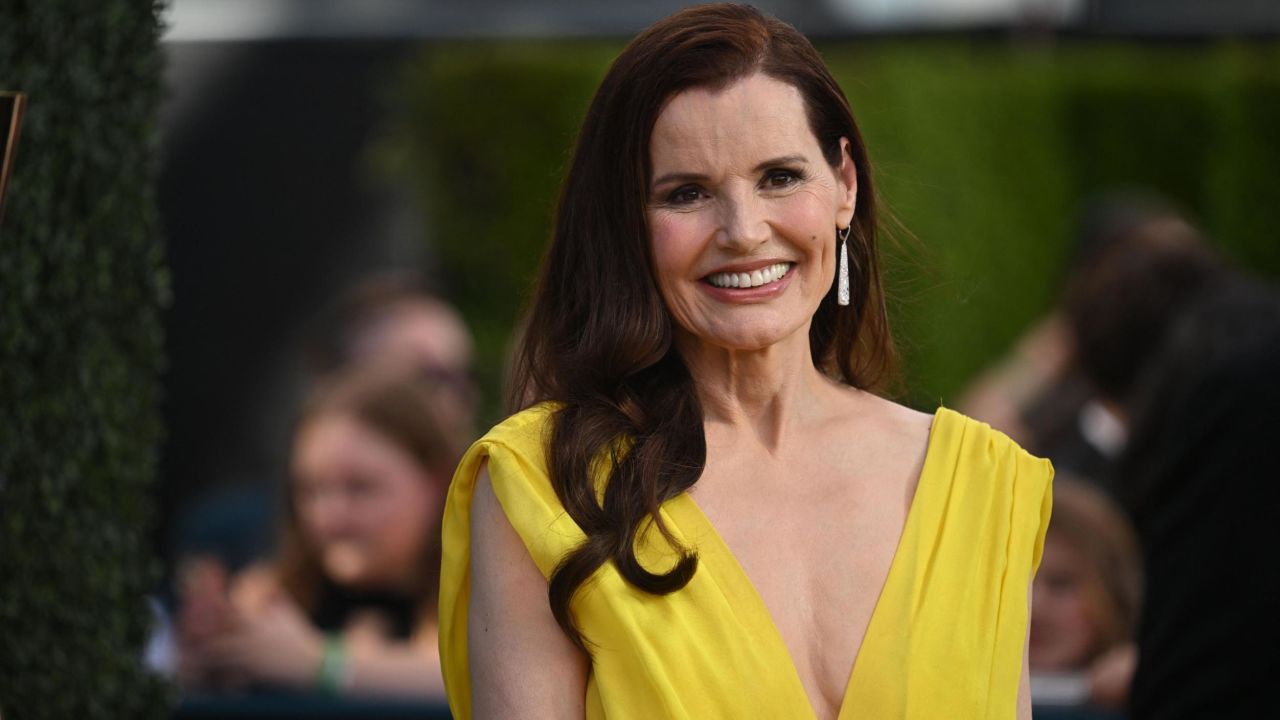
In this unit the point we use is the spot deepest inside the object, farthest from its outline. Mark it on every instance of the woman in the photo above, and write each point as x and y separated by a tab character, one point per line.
702	511
1087	594
350	604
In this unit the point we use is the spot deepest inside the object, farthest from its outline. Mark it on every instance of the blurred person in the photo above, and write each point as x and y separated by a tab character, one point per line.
1201	486
387	319
1065	389
1121	307
349	605
701	507
391	318
1085	599
1036	389
1003	394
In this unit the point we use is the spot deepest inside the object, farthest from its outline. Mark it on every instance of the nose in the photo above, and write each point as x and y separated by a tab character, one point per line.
743	225
328	514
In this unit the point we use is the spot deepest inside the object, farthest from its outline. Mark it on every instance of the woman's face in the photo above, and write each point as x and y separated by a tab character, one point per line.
743	210
1063	633
362	502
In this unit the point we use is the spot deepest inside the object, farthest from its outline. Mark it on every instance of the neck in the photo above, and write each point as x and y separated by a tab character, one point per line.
767	393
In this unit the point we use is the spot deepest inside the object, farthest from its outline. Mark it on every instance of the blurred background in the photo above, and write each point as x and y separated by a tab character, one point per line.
311	145
306	146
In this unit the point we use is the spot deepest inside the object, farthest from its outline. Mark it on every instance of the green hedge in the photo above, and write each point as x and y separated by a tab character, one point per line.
986	151
483	132
983	150
82	284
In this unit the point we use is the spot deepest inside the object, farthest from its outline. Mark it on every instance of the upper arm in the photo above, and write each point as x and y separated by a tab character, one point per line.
521	662
1024	684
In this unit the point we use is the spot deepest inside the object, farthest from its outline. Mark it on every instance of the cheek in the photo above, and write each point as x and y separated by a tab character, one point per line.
675	242
1073	621
404	515
309	519
311	514
1075	613
809	220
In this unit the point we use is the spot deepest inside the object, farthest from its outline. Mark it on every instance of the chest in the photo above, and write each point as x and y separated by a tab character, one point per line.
816	540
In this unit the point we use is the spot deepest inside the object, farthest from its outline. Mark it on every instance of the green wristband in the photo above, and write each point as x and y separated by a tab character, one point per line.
331	675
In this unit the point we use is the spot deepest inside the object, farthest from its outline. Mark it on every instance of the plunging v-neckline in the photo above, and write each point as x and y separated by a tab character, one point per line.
726	568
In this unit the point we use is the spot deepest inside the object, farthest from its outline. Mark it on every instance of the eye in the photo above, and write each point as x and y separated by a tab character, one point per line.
780	178
684	195
361	485
1062	583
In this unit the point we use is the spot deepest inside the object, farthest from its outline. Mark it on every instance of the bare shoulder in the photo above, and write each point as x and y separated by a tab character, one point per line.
891	443
901	429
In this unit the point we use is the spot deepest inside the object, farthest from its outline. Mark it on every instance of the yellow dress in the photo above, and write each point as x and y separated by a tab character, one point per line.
945	639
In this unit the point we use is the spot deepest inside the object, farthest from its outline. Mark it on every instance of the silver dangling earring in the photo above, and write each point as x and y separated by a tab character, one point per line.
842	292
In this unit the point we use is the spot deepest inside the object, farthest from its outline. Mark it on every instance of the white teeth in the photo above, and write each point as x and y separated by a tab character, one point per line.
755	278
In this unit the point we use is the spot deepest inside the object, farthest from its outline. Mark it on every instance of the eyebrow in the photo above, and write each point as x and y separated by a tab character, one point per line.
698	177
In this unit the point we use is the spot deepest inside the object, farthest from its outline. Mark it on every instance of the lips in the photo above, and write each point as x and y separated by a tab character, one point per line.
752	279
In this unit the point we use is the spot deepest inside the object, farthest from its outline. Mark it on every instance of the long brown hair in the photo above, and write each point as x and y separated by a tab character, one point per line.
403	407
598	339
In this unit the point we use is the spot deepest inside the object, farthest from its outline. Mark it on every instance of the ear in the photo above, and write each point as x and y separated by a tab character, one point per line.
847	175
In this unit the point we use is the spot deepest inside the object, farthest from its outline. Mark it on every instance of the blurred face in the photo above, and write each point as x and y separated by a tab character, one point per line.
362	501
1063	634
743	210
431	338
421	334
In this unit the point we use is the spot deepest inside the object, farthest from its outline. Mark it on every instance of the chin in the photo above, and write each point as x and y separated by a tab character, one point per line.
345	569
346	577
758	337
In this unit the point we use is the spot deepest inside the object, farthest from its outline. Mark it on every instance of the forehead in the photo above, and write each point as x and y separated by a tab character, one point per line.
753	118
327	434
418	331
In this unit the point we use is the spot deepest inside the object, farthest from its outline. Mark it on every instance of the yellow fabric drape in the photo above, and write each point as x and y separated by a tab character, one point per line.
945	639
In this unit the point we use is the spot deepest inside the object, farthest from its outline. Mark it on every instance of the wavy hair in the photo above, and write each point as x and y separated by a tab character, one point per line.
597	338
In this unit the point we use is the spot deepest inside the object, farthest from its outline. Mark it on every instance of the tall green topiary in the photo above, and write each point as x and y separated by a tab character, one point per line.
82	284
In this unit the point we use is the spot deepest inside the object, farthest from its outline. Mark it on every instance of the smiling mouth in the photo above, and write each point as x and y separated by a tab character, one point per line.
753	279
